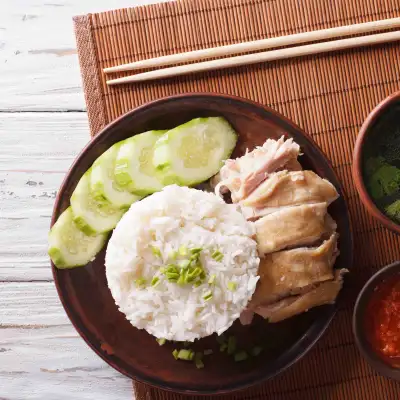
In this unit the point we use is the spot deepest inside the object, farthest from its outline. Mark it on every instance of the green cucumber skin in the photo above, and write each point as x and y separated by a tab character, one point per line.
123	166
79	195
57	258
162	154
58	251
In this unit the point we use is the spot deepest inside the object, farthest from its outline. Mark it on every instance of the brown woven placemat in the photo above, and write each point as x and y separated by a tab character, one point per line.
328	95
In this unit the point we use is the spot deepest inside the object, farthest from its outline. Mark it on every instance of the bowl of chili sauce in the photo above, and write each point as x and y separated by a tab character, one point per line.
376	321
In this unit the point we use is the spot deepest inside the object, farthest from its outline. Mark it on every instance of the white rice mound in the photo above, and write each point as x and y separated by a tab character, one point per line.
168	219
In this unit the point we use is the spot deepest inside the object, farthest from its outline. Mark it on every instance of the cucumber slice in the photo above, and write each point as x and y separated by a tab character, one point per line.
93	215
103	183
134	168
68	246
193	152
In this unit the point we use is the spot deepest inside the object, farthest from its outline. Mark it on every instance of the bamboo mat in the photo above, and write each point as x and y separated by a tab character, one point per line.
328	95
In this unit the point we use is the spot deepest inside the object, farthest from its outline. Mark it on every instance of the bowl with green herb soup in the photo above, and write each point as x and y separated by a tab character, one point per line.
376	164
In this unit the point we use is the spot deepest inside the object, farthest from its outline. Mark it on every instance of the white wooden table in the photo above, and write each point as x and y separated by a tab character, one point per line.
43	125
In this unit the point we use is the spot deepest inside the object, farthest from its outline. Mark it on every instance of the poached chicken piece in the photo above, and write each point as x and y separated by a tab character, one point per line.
243	175
324	293
291	188
289	210
294	271
287	188
293	226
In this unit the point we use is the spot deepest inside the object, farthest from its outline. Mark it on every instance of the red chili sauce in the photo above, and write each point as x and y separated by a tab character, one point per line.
383	319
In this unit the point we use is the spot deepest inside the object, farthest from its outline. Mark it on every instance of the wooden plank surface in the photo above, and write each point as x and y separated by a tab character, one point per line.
42	356
43	127
39	64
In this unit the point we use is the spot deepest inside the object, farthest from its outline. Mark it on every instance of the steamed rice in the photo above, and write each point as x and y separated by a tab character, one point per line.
166	220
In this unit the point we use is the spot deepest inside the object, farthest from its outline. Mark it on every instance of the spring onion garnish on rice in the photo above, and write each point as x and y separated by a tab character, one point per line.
140	282
211	281
161	341
232	286
207	295
156	251
217	255
188	269
155	281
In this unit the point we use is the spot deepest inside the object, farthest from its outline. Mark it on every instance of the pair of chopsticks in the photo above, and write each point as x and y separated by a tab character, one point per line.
256	45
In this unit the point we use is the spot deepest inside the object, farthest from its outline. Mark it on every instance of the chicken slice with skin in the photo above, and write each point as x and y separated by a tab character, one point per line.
243	175
324	293
293	188
290	272
293	226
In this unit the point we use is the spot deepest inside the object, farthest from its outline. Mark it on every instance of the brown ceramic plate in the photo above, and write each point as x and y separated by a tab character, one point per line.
90	306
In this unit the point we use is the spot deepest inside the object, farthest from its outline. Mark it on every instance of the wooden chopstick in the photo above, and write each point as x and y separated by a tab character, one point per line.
256	45
260	57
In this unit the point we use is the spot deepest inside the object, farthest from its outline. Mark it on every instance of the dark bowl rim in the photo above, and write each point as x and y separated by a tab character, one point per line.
357	169
359	311
323	322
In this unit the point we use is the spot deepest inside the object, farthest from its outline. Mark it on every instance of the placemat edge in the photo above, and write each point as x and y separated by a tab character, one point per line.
87	62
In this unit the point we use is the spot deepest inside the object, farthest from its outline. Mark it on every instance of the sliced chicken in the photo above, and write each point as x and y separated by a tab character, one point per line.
293	226
242	175
286	188
324	293
294	271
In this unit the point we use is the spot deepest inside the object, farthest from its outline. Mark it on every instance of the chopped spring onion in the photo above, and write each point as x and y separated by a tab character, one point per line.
186	354
197	283
172	276
211	281
196	250
199	364
231	344
182	251
232	286
156	251
208	352
240	356
175	354
140	282
207	295
217	255
161	341
198	360
172	268
256	350
155	281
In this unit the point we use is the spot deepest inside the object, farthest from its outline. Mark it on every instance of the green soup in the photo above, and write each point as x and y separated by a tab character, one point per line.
381	164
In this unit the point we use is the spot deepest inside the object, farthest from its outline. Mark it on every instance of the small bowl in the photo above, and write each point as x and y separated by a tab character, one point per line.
360	310
364	137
